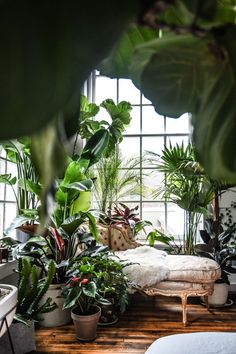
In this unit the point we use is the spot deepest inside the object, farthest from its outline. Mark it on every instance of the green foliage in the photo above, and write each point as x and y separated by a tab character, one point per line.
36	90
108	132
26	179
187	185
31	290
96	279
190	67
216	246
112	182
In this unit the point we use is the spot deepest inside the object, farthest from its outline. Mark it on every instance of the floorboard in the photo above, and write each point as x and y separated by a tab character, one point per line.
145	320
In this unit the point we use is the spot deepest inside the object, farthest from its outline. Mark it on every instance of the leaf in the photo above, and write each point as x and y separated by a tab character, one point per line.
36	86
49	158
90	289
168	70
18	221
82	186
117	65
95	146
212	133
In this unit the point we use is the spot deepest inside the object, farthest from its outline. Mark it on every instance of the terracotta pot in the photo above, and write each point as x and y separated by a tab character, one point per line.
220	294
58	317
86	325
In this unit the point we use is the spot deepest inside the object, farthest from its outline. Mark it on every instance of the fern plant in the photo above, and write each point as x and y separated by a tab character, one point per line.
31	290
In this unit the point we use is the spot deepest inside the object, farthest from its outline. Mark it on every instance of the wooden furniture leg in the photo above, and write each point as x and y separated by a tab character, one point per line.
206	301
184	299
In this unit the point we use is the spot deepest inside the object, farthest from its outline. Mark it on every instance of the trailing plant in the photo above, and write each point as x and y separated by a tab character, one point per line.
31	290
187	185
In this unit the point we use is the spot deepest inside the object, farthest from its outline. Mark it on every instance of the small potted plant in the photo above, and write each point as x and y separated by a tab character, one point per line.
81	295
120	227
29	308
217	247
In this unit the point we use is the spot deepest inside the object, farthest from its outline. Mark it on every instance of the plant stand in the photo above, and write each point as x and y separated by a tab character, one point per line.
4	321
23	339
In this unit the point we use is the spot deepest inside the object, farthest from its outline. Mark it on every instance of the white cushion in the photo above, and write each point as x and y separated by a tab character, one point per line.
195	343
192	269
149	265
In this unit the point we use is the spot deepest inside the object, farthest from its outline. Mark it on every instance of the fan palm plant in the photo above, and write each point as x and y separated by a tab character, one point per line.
185	184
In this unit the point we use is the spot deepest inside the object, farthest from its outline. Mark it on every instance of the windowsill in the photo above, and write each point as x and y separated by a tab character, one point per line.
6	269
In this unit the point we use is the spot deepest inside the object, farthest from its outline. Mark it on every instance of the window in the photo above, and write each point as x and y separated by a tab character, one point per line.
7	197
148	131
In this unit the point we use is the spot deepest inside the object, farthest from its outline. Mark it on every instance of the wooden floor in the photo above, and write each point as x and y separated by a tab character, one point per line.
145	320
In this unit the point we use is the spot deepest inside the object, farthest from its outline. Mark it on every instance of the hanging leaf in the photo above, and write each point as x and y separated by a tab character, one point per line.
48	50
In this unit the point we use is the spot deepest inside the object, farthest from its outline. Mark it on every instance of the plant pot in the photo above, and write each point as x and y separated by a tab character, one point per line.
220	294
8	301
108	314
86	325
58	317
23	339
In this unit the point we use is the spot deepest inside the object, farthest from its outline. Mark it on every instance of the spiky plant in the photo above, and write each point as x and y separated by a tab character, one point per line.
31	290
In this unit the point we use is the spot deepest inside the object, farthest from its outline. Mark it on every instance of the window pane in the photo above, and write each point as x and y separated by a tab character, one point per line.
177	140
105	88
151	181
154	212
175	220
152	123
145	100
1	219
134	127
178	125
154	144
128	92
10	213
130	147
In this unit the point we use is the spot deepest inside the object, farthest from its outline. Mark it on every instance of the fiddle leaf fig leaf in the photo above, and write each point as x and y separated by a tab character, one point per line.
117	64
43	74
171	72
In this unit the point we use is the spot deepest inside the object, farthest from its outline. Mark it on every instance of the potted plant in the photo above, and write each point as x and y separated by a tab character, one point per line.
81	294
121	220
29	308
187	185
217	247
26	180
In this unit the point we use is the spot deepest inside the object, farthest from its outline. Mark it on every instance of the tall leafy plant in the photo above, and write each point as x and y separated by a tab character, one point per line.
187	185
115	177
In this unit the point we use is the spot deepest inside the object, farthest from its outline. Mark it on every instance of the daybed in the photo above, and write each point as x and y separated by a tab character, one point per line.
160	274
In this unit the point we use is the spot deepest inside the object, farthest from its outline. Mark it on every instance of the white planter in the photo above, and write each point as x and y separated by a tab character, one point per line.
58	317
220	294
6	304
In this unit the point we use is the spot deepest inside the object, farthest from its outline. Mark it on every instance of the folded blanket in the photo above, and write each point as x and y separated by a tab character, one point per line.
149	268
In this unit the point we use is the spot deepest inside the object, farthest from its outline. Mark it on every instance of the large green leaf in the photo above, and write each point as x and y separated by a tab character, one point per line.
95	146
48	49
117	65
171	72
215	120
